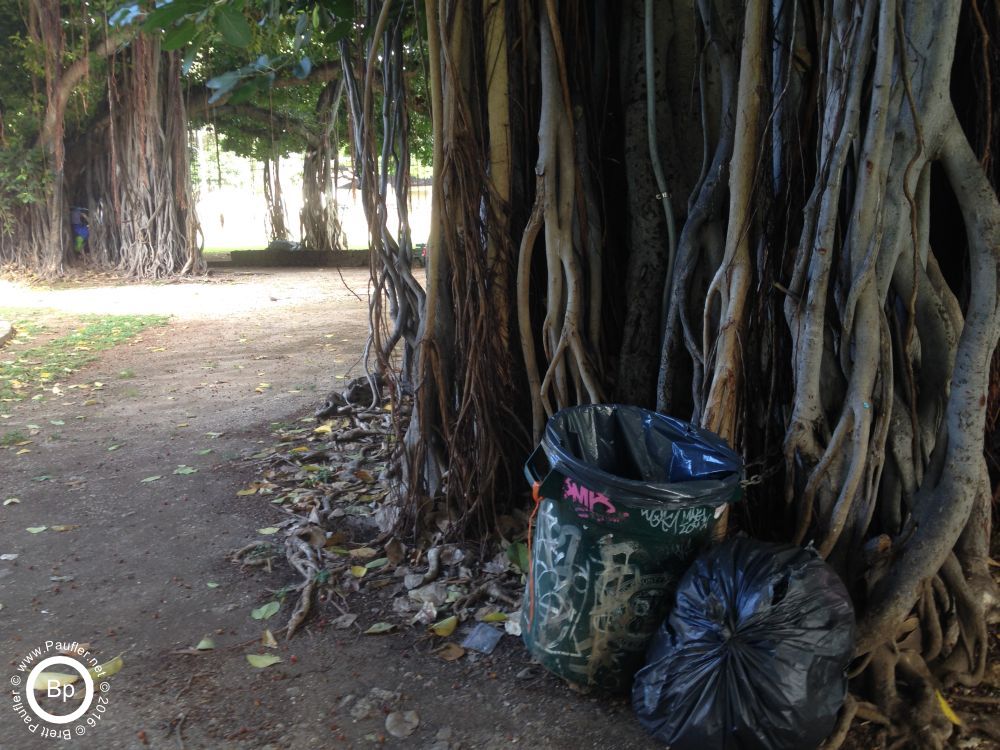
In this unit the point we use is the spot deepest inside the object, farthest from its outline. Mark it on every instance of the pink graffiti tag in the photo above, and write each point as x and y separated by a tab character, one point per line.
586	500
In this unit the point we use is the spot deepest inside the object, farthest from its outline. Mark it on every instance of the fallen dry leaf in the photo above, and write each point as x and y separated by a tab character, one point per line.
451	652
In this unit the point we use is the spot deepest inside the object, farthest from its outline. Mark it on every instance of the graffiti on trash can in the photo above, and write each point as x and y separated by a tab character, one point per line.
598	608
561	581
591	504
683	522
628	607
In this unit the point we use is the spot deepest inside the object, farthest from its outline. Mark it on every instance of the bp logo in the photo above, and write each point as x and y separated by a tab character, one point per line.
59	690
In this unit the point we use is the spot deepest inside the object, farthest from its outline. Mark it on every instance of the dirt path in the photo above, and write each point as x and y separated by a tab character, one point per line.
241	353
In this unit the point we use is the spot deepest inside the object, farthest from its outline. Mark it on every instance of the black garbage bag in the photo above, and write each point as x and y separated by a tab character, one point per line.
753	654
641	456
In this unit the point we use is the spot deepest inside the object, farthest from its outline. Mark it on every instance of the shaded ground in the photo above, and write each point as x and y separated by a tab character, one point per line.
242	352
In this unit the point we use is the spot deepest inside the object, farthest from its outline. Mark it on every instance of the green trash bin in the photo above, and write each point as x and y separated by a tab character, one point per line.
625	499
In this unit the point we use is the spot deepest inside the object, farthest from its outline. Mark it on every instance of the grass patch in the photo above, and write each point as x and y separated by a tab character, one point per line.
28	372
12	438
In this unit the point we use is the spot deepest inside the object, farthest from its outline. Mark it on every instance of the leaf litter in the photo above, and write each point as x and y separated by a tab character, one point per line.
333	481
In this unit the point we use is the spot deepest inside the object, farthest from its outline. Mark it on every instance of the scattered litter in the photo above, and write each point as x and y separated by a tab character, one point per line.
482	638
402	723
344	621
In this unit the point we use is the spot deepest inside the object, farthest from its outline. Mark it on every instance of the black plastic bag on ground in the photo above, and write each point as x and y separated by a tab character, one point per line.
753	654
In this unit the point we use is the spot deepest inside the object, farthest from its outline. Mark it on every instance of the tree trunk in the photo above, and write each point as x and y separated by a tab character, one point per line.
320	220
277	228
142	217
828	302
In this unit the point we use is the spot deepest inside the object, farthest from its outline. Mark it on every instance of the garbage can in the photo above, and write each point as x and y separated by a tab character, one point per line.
625	499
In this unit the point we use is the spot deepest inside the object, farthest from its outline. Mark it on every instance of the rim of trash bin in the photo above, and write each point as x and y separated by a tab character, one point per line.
707	492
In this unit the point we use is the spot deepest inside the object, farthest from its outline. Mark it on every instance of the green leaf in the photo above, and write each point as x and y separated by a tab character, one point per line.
204	452
205	644
233	26
246	92
212	585
343	9
36	529
379	628
222	85
303	68
445	627
154	478
268	530
517	553
179	36
167	14
192	52
184	469
262	661
379	563
266	611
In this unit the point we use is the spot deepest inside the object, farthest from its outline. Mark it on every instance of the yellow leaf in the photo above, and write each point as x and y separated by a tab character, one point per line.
445	627
268	639
300	449
262	660
23	451
65	527
247	491
45	680
363	553
99	672
495	617
947	710
358	571
323	429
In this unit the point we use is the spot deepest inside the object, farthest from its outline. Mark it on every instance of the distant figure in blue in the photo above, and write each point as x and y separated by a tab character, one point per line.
81	228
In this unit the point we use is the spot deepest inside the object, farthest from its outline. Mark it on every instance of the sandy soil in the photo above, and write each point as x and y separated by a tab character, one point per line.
141	554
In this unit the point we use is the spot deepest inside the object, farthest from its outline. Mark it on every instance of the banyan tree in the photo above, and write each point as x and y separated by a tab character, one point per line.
776	219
